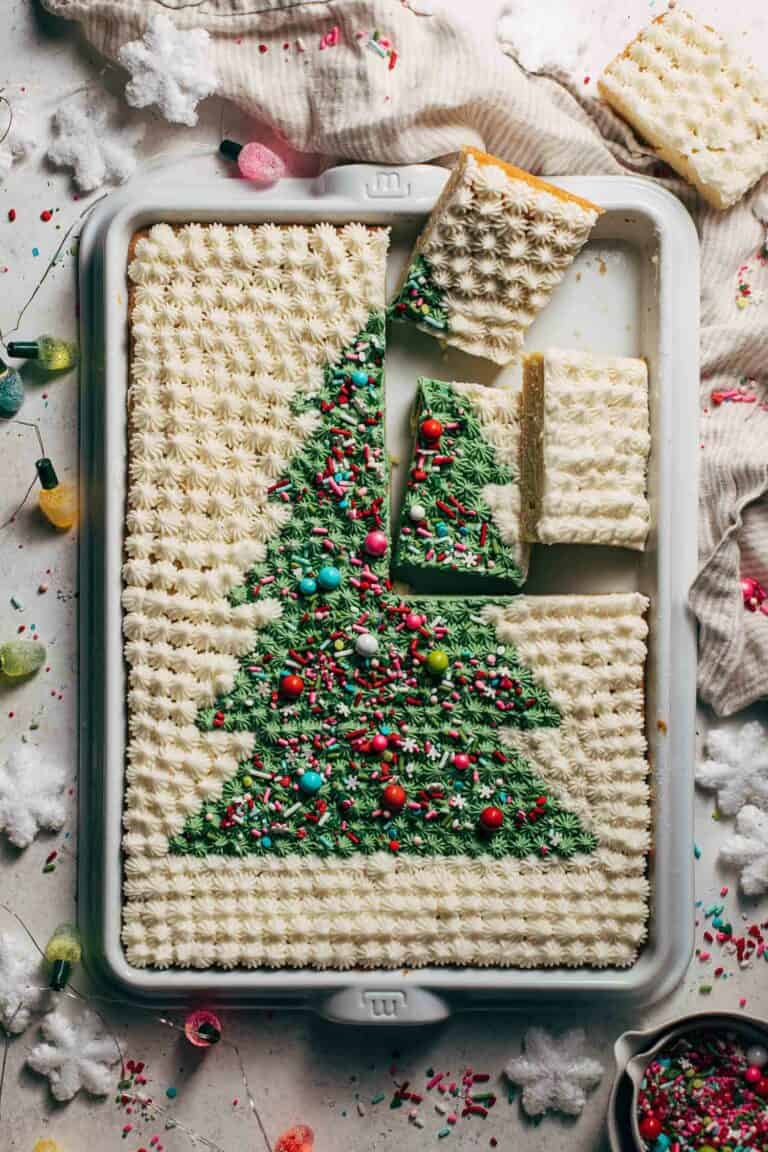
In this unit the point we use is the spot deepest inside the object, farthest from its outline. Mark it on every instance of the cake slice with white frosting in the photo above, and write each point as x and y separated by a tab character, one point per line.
585	443
497	243
705	110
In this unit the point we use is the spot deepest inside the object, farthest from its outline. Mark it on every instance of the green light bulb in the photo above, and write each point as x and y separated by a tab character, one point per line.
62	951
21	657
51	353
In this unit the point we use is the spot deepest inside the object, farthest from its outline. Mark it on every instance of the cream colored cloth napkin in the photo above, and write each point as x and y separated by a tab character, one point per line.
444	91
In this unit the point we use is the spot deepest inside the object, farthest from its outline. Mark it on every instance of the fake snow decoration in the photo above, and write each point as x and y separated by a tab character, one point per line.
75	1054
737	768
22	984
17	145
554	1072
31	795
747	850
170	68
96	154
531	32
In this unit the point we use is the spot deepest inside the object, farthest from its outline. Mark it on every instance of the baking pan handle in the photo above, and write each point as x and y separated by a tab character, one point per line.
378	1005
377	185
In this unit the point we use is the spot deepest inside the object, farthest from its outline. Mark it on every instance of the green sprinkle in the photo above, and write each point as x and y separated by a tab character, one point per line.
443	1133
377	1099
697	852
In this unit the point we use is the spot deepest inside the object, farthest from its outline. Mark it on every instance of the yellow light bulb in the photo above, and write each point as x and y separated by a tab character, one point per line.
58	502
62	951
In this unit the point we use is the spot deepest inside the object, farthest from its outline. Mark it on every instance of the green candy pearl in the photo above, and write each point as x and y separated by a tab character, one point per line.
437	662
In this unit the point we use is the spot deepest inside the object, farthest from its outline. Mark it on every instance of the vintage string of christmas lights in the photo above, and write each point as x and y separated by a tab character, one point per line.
63	952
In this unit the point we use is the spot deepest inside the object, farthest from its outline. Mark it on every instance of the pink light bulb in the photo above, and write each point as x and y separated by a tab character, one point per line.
256	162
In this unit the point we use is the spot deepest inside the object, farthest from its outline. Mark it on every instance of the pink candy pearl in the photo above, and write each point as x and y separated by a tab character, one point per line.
753	1074
379	743
375	543
260	164
460	760
413	621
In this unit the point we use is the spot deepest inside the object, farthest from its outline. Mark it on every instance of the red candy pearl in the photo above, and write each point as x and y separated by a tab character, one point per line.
291	686
460	760
414	621
379	743
491	818
762	1086
375	543
753	1074
650	1128
431	429
393	797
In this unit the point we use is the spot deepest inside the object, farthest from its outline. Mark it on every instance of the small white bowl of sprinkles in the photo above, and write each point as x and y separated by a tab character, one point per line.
702	1087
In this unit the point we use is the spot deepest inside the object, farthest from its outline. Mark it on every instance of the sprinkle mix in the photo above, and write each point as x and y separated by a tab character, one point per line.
420	299
705	1092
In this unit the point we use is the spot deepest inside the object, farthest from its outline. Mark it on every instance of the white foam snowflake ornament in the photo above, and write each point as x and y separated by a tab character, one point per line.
554	1072
75	1054
171	68
31	795
747	849
737	767
22	985
96	153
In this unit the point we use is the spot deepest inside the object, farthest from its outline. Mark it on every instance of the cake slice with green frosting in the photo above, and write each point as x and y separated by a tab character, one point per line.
496	245
461	512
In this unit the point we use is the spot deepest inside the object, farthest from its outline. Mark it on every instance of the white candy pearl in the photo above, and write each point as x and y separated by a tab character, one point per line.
417	512
366	644
757	1055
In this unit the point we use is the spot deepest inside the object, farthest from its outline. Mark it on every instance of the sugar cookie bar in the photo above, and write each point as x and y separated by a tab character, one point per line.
682	87
497	243
462	506
585	438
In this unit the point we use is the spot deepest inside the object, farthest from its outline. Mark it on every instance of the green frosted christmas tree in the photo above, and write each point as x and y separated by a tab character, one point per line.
377	720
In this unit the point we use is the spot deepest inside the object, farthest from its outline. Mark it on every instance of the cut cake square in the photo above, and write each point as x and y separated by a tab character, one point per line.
585	437
682	87
497	243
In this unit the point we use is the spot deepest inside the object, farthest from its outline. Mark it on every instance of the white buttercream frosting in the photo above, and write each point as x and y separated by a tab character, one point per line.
505	238
691	95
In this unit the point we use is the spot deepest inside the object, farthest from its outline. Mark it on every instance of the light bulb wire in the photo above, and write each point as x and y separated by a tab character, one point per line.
73	993
27	424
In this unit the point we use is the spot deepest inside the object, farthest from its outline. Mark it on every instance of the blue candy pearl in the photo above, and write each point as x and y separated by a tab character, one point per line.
442	529
266	842
307	586
329	578
359	377
11	393
310	782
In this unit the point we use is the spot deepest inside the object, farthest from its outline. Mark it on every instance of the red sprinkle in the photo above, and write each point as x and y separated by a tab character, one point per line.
11	214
